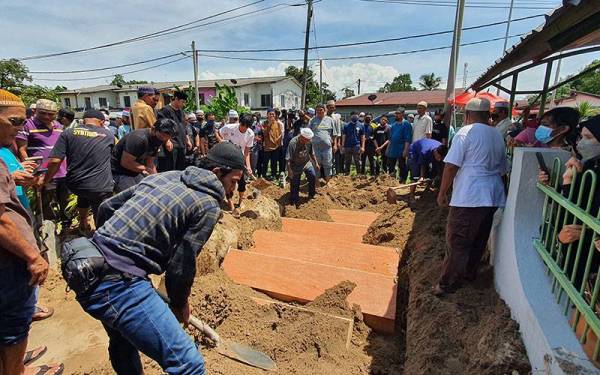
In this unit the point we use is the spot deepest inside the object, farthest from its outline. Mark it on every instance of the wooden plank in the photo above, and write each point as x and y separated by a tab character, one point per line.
294	280
353	217
342	233
368	258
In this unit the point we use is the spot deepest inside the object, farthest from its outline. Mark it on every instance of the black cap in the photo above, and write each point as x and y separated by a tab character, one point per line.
228	155
94	113
166	126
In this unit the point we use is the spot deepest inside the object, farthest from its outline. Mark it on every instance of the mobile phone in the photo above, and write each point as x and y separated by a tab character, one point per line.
542	163
39	171
34	158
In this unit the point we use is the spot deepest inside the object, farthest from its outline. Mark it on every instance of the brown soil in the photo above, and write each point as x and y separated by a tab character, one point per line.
469	332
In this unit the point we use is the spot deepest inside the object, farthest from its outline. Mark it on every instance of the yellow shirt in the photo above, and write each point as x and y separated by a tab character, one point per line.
143	115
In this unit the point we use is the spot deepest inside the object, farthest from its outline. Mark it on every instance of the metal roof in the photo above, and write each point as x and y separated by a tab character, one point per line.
168	85
573	25
432	97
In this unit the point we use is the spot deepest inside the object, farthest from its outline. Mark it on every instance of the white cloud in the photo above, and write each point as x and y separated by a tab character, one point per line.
268	72
372	76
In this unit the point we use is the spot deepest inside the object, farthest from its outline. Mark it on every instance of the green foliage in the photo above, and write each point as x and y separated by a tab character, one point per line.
348	92
30	94
224	100
430	81
120	81
402	82
13	74
312	86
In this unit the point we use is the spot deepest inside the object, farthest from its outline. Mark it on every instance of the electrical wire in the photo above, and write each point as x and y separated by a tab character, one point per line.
163	32
112	75
353	44
438	4
356	57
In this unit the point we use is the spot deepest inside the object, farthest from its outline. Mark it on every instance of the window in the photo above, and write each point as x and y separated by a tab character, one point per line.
67	103
201	98
127	101
102	102
265	100
296	102
88	102
282	98
247	99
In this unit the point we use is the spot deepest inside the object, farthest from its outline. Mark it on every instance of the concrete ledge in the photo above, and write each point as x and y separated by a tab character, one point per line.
520	275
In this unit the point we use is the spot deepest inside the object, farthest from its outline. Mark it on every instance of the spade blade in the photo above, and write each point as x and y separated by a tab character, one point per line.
245	354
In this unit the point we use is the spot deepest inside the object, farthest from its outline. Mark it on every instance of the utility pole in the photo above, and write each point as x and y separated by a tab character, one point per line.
510	11
464	85
460	10
306	44
195	59
320	80
358	86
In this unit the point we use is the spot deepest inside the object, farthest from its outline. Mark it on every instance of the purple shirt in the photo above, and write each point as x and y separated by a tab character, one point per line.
41	140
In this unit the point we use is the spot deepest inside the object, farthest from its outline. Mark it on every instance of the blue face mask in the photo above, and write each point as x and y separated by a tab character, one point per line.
210	122
544	134
354	118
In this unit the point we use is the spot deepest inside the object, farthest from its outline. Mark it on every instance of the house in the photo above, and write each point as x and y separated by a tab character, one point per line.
256	93
576	98
389	101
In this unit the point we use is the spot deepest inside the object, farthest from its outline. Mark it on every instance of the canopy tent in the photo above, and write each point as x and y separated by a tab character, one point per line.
462	99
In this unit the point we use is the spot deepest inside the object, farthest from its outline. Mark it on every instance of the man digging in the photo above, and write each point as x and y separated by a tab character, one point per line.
299	156
158	226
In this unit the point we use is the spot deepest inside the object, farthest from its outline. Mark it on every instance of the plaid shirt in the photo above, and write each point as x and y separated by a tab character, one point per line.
160	225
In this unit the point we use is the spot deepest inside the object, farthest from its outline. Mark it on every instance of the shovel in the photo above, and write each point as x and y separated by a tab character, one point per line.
230	349
392	196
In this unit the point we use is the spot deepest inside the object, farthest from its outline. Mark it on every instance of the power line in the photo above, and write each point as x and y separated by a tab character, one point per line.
108	67
112	75
441	4
168	31
356	57
352	44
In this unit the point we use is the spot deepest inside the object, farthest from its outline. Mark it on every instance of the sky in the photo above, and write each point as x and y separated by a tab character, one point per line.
63	25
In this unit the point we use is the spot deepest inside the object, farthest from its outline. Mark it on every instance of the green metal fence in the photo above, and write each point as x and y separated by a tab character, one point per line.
571	266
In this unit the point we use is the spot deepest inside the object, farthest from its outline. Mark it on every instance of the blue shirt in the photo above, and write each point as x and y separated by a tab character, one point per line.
421	151
400	133
123	131
353	131
13	165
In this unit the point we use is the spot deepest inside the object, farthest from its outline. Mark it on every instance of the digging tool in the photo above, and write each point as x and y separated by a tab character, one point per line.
230	349
392	193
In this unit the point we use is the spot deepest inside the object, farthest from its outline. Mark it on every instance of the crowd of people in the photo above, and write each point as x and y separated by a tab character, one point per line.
155	181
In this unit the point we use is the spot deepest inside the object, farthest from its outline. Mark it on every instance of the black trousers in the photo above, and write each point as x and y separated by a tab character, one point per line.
272	157
91	199
401	162
171	161
55	199
381	165
370	156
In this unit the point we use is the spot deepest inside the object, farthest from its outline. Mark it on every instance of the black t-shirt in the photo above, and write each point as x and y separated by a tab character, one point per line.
208	131
139	143
178	139
440	131
87	149
382	134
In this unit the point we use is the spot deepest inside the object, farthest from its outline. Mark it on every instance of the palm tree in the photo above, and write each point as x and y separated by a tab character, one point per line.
430	81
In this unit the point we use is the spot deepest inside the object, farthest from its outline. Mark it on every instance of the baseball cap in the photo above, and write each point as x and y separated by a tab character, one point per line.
93	113
478	105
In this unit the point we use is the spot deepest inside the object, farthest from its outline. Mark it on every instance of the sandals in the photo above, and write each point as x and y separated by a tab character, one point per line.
42	313
47	370
31	355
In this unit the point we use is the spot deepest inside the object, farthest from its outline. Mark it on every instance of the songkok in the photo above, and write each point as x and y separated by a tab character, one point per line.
46	105
125	113
307	133
422	104
8	99
311	111
501	104
410	115
191	116
146	91
478	105
233	113
32	106
200	112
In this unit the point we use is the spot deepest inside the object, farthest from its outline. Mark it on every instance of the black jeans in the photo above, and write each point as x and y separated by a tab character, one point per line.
55	199
171	161
124	182
367	155
381	165
401	162
271	157
91	199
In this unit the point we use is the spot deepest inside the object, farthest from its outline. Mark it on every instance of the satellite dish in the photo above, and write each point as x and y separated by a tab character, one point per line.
234	81
372	97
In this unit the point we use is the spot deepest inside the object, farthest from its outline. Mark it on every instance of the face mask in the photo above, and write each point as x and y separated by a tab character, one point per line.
588	149
354	118
544	134
210	122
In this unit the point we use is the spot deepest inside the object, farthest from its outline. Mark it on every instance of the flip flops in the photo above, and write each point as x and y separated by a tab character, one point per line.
47	370
42	313
30	356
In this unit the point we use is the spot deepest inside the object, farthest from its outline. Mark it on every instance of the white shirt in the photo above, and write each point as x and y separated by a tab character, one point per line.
478	150
422	125
337	122
232	133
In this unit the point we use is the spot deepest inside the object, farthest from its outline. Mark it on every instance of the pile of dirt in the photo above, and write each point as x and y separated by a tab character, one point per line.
392	227
334	301
468	332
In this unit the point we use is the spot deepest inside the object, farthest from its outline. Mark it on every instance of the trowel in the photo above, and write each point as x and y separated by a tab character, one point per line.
392	193
230	349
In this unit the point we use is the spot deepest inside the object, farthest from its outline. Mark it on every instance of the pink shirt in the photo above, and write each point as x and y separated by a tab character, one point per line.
41	140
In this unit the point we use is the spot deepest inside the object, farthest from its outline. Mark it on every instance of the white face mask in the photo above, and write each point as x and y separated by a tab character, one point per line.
588	149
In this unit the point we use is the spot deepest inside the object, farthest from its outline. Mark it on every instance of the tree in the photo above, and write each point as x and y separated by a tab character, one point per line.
402	82
13	74
348	92
119	81
223	101
430	81
313	93
31	93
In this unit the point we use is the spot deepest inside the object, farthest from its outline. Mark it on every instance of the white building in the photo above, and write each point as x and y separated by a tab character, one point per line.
257	93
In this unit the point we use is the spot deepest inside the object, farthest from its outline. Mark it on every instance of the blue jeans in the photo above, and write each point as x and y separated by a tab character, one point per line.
311	176
136	318
17	302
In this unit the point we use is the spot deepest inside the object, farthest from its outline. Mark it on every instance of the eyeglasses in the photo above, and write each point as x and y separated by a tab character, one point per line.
17	121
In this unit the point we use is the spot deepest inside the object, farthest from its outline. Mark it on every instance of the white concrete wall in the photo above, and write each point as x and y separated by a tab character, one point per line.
291	93
520	274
